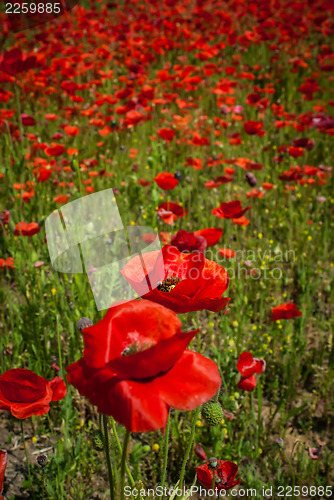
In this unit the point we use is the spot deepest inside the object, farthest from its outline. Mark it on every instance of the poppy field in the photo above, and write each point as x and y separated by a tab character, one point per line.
208	126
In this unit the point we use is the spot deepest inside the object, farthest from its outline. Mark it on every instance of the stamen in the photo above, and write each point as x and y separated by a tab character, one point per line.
136	347
168	284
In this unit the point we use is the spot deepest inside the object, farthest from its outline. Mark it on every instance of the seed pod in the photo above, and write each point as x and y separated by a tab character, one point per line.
213	413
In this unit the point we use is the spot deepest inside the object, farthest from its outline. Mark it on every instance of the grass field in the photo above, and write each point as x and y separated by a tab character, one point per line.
235	101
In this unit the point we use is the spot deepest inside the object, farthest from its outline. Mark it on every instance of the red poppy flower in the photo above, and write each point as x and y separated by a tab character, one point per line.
71	130
24	393
241	221
169	211
188	242
54	150
166	133
285	311
8	263
225	475
61	198
295	152
27	120
211	234
25	229
182	282
13	62
166	180
136	366
3	465
4	217
268	186
230	210
253	127
247	383
226	253
247	365
42	174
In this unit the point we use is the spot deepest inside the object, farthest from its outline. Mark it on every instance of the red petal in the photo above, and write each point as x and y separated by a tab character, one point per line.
154	361
58	387
135	405
3	465
136	321
247	383
193	380
246	364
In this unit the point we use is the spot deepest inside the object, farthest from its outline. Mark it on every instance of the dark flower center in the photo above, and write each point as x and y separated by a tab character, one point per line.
168	284
136	347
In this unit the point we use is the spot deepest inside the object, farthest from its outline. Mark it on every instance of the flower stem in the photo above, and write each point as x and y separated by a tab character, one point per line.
190	443
26	452
291	468
164	467
106	448
113	425
123	461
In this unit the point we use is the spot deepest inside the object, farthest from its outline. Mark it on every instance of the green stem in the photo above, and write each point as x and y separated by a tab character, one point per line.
164	467
106	448
123	461
291	468
119	446
190	443
293	448
26	452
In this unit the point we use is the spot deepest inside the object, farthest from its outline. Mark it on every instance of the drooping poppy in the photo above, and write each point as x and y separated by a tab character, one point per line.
225	475
135	366
188	242
288	310
24	393
183	282
166	180
230	210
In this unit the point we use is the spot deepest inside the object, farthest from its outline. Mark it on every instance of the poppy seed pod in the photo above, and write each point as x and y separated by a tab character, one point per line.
213	413
41	459
213	462
84	323
251	179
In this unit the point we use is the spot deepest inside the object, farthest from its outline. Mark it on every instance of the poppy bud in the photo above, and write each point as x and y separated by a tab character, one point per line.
251	179
213	413
280	442
41	459
98	441
84	323
200	452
